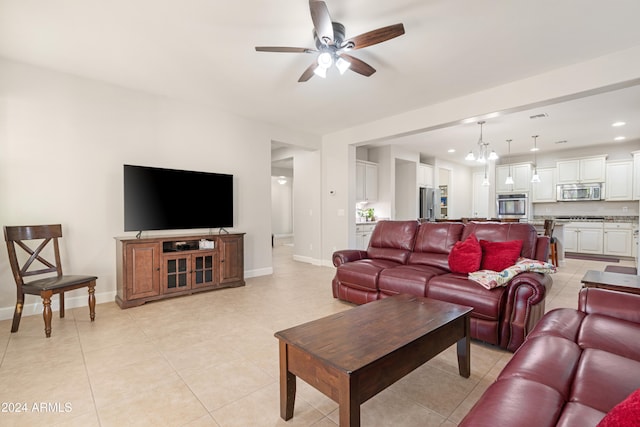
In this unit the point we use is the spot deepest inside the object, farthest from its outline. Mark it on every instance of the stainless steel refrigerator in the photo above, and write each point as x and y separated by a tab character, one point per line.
429	204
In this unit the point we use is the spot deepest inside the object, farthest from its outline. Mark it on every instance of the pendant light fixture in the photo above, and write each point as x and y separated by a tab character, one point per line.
536	177
509	180
485	181
483	150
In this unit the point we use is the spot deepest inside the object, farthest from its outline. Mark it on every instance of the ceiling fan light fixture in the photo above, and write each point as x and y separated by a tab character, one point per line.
342	65
320	72
325	60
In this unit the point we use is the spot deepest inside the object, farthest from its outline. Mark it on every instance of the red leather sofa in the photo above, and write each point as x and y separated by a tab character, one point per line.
412	258
575	368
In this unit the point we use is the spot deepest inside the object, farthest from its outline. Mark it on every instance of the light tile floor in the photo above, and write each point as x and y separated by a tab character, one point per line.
211	360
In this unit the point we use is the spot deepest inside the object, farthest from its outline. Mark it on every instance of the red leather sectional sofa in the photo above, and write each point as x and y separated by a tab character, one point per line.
576	368
412	258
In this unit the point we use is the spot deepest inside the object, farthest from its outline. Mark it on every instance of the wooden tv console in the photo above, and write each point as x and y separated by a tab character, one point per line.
156	268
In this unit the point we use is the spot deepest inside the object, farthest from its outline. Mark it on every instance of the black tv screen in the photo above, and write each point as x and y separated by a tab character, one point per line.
170	199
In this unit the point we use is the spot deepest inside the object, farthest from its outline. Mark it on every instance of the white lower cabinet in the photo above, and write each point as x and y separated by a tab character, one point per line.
584	237
363	235
599	238
618	239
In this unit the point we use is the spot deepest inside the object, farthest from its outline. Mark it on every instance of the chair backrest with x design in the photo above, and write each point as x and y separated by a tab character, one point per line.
53	281
15	236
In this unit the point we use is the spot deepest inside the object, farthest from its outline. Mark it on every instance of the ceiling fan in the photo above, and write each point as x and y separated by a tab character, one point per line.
331	46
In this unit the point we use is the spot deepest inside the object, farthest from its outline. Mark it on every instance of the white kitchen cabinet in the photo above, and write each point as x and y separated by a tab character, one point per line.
619	180
366	181
545	190
618	239
636	175
425	175
585	170
363	235
583	237
521	174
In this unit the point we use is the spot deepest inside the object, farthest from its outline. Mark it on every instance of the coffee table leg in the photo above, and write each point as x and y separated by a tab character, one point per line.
349	405
287	385
464	350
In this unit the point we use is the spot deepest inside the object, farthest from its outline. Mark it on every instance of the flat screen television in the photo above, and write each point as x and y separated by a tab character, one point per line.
171	199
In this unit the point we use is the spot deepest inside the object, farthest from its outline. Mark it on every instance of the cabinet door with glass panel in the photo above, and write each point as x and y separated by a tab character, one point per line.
188	271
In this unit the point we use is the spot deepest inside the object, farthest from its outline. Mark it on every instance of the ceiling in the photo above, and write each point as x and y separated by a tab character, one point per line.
203	51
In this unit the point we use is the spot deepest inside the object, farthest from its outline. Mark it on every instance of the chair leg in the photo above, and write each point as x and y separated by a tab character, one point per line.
46	313
17	314
61	305
554	254
92	301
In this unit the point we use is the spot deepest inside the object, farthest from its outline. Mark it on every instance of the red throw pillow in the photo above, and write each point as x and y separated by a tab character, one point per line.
465	256
497	256
625	413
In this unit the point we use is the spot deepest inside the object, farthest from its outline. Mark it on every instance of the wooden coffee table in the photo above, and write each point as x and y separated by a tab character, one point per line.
353	355
614	281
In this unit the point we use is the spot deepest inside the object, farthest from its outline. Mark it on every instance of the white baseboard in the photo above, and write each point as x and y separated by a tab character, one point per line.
308	260
327	263
258	272
35	308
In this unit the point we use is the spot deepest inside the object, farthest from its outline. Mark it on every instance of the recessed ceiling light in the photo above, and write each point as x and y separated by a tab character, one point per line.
618	124
451	150
564	141
619	138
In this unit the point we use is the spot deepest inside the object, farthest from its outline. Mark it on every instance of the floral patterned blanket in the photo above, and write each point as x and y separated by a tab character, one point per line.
492	279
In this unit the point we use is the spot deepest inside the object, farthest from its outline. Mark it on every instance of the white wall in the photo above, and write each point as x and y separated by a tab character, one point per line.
63	141
281	206
406	192
307	209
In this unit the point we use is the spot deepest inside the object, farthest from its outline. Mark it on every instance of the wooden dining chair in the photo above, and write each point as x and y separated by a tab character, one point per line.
47	286
549	225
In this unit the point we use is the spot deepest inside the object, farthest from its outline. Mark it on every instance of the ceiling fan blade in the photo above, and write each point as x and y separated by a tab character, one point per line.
284	49
358	65
374	37
321	21
308	73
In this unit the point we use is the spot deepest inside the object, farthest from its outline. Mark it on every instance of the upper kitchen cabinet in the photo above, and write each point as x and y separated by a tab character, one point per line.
366	181
585	170
636	175
425	175
521	174
545	190
619	182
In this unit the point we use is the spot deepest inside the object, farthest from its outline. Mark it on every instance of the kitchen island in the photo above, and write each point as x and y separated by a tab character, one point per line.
608	236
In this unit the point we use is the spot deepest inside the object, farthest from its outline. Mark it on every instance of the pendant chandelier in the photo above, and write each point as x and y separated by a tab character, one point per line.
483	153
485	181
509	180
536	177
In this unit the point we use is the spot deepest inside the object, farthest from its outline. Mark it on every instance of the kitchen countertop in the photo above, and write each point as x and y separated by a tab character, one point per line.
564	219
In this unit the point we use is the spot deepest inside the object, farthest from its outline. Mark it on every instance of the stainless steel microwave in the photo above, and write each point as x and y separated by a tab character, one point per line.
579	192
512	206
